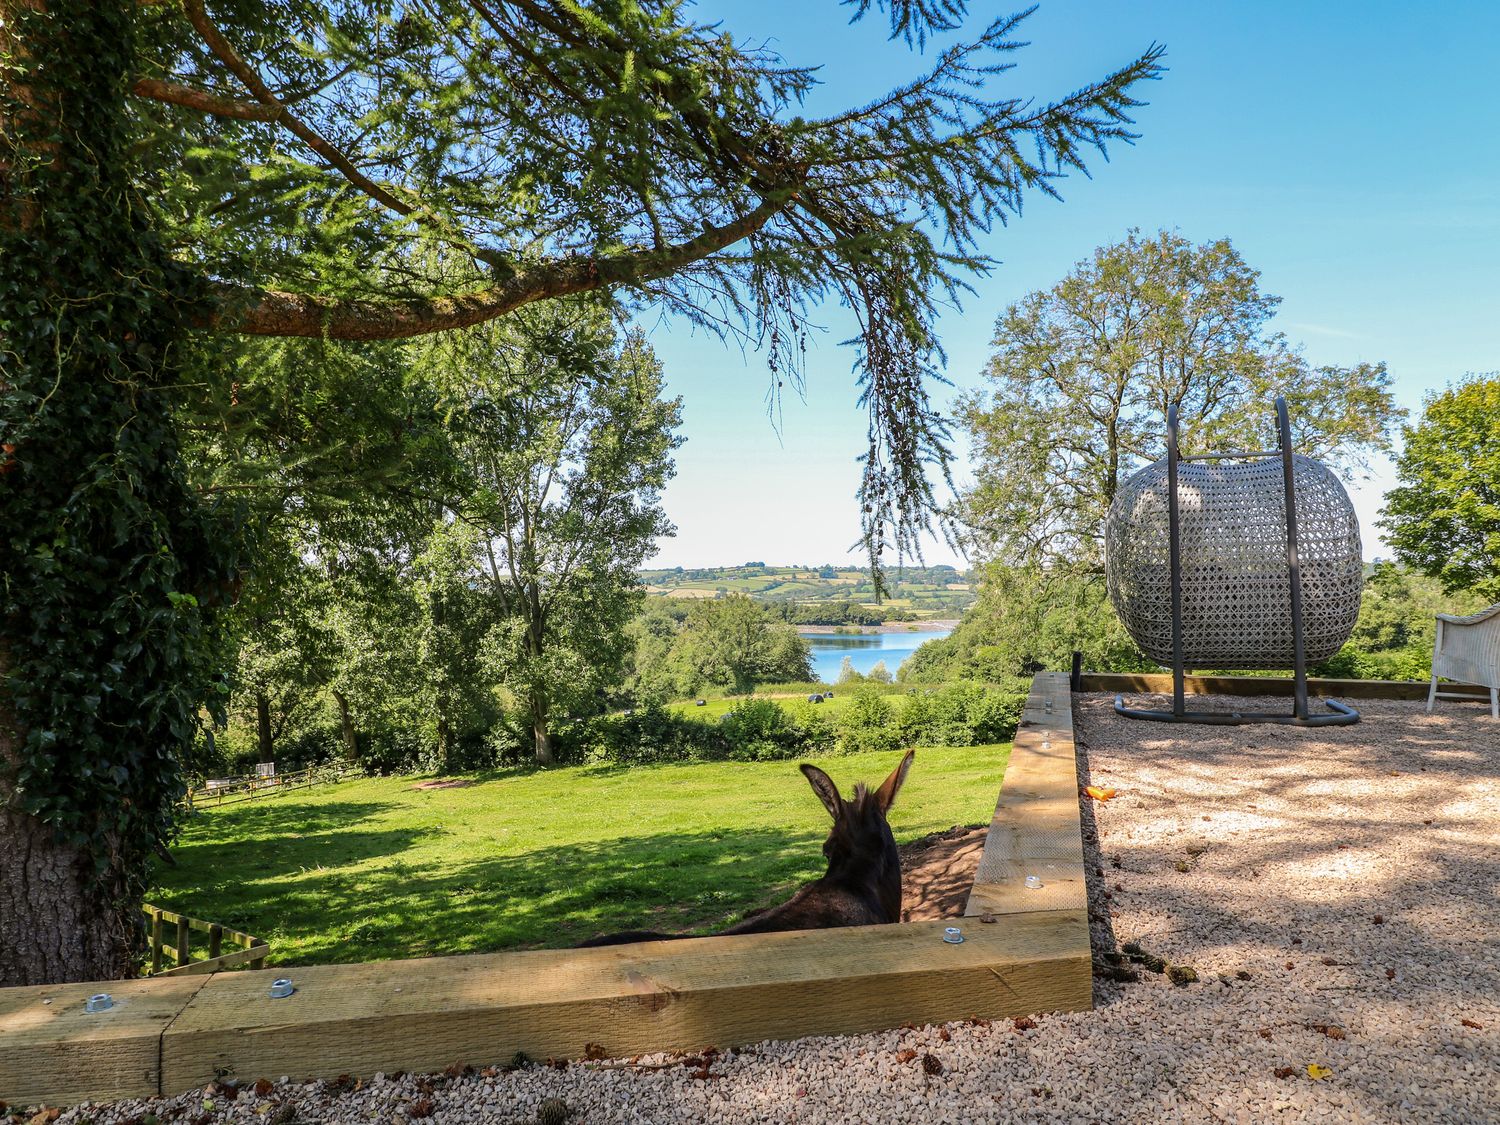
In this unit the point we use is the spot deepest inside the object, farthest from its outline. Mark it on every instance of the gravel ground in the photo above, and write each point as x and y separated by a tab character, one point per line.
1335	891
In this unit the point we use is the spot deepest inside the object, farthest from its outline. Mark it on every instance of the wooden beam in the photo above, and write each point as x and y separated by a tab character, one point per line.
427	1014
1161	684
1036	828
53	1051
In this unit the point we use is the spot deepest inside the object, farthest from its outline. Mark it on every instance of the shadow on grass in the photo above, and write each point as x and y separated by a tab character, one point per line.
316	905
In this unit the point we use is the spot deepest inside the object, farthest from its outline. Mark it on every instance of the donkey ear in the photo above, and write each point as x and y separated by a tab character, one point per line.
886	794
824	787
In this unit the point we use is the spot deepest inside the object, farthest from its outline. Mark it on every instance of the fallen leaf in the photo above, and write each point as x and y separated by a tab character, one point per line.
421	1108
1284	1071
1318	1073
944	1034
264	1086
932	1065
1242	975
988	919
1024	1023
1472	1023
594	1051
1264	1032
1099	792
1390	974
1379	919
905	1055
1332	1030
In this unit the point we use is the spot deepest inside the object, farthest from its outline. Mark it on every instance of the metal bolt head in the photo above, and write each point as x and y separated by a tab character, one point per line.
953	935
280	987
99	1002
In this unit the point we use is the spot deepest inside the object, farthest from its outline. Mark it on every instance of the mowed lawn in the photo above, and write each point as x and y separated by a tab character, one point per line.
372	869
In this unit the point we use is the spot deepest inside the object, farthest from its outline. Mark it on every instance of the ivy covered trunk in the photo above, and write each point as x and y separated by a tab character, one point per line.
111	562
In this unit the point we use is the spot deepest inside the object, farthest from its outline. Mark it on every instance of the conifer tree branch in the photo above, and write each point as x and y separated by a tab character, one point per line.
271	312
175	93
253	82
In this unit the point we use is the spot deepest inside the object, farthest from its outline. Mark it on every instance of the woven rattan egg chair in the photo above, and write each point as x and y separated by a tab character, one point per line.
1235	560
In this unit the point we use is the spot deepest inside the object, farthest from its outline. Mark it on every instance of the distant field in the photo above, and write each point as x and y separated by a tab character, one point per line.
375	869
924	591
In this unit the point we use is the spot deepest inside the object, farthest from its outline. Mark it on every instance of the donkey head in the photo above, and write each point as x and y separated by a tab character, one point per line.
860	849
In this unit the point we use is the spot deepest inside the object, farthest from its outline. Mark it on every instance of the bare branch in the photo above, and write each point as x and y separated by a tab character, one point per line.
175	93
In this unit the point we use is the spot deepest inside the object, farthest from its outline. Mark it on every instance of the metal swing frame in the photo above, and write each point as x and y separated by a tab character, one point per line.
1340	714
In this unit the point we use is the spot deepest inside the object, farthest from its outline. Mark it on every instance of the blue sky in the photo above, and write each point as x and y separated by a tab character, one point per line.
1349	150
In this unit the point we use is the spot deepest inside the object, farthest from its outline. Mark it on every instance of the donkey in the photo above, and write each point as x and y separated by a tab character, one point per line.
862	886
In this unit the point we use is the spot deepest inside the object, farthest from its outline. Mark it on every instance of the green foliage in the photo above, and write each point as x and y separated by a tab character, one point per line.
960	714
568	441
546	146
1443	516
1083	374
114	568
868	722
732	642
1397	621
1029	619
848	674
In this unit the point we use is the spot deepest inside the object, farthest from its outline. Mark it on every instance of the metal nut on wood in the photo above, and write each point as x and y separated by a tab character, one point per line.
280	987
99	1002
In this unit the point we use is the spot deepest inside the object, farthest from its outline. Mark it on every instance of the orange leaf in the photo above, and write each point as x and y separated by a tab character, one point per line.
1098	792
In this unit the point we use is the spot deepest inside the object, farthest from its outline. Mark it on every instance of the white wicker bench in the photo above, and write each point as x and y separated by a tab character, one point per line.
1467	650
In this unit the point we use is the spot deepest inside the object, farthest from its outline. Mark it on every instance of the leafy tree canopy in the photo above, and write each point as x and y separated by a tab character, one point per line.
363	169
1443	516
1083	373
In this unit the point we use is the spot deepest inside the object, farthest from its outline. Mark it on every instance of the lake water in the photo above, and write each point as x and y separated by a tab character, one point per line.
829	650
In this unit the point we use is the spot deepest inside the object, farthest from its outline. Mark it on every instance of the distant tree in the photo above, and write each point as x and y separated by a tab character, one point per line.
736	642
1392	639
879	674
1083	373
1026	619
847	673
569	441
1443	517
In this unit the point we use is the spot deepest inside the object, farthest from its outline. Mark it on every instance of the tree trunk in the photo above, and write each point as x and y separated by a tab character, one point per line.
263	727
539	729
346	725
444	742
49	894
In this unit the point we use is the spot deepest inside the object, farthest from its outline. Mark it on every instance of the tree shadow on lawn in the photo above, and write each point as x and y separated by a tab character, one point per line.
548	897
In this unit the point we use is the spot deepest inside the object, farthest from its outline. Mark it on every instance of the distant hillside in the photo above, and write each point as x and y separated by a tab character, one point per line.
915	592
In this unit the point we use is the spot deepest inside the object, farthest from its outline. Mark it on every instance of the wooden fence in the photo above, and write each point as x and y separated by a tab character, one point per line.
247	789
171	935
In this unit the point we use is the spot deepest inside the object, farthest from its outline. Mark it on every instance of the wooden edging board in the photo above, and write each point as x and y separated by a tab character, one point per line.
170	1034
1161	684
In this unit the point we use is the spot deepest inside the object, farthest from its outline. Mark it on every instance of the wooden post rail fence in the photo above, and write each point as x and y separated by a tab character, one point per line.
247	789
178	944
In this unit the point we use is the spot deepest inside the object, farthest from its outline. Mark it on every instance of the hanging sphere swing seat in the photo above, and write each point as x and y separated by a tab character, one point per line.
1206	570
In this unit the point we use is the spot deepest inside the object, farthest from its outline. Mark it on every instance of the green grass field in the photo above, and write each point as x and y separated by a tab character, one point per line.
374	869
